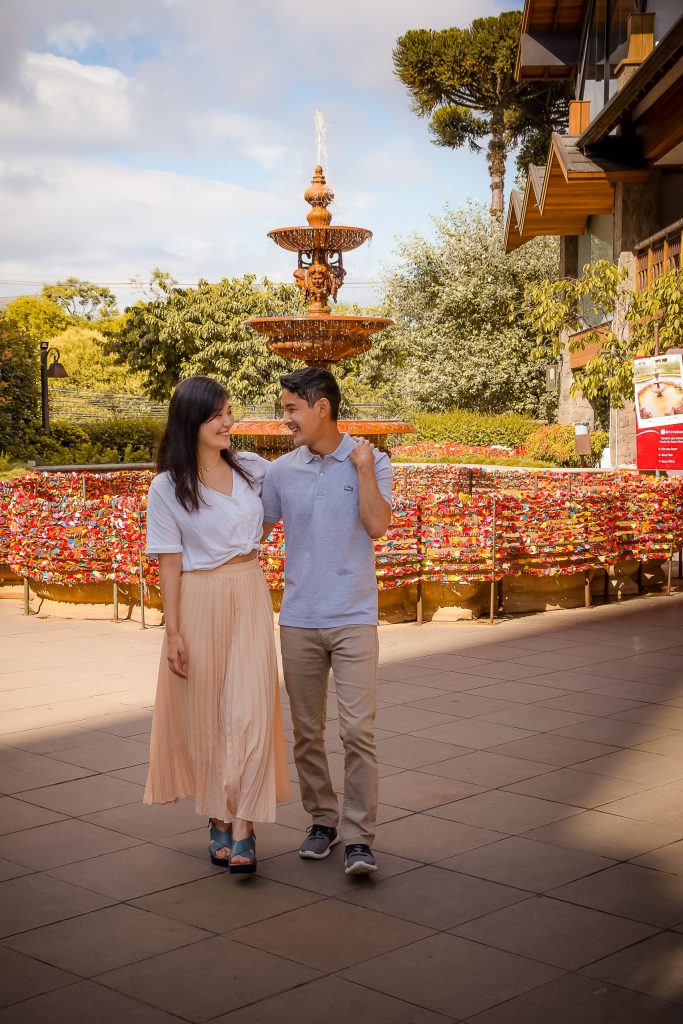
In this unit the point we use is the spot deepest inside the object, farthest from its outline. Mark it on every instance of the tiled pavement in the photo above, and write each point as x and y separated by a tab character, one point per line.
531	839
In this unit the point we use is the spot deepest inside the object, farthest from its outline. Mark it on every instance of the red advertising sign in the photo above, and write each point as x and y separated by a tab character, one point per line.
658	383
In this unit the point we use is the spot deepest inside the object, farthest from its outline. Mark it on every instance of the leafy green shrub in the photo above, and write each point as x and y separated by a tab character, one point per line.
555	444
462	427
107	441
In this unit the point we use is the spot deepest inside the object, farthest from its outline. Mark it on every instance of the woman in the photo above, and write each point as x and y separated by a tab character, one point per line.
217	730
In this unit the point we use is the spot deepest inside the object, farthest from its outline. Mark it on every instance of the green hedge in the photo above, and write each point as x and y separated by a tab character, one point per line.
555	444
460	427
112	440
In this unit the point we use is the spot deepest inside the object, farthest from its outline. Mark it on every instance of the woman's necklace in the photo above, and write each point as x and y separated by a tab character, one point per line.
210	469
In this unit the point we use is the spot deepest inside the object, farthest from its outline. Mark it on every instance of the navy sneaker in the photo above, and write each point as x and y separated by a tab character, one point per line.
318	842
359	859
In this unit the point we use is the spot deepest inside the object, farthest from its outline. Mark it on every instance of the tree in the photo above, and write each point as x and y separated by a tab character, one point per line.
187	331
452	299
35	318
652	319
83	353
18	383
82	300
463	80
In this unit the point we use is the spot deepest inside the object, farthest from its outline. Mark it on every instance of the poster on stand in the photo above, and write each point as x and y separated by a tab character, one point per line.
658	385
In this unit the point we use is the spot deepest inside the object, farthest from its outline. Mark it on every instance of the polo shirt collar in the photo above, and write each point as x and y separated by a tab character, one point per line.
341	452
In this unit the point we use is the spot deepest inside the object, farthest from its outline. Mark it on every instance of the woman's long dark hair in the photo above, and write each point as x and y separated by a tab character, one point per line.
194	401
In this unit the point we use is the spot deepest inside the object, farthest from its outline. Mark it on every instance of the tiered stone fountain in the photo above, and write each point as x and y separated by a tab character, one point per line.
318	337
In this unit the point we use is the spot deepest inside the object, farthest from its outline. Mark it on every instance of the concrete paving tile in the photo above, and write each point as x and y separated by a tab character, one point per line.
124	723
223	903
151	822
568	658
586	703
45	741
452	682
343	1002
21	977
484	768
17	814
415	751
403	693
474	733
105	939
83	1004
648	693
606	835
657	715
626	668
569	786
614	732
106	755
426	839
31	771
435	899
84	796
577	680
401	719
463	705
8	869
326	877
528	716
424	974
62	842
417	791
671	744
575	998
503	811
137	774
549	748
636	766
135	872
404	670
36	900
662	806
628	890
654	967
327	934
666	858
201	981
526	864
554	932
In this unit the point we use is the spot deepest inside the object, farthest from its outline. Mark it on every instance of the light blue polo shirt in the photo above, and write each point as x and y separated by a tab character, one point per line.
330	557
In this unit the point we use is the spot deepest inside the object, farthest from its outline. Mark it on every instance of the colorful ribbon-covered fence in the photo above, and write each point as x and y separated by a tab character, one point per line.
51	534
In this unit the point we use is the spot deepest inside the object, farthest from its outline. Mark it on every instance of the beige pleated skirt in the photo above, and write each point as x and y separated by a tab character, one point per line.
217	736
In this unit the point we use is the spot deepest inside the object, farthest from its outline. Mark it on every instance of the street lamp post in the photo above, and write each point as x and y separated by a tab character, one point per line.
55	369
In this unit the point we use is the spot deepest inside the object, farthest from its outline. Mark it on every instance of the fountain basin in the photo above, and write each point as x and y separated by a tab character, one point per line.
273	438
337	238
319	339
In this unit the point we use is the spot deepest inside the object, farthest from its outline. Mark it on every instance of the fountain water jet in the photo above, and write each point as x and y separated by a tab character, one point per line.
319	337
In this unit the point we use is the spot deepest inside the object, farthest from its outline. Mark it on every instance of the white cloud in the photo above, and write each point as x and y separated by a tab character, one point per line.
73	36
65	104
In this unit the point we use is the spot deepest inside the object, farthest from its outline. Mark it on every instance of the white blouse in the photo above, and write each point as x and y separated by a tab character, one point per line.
222	528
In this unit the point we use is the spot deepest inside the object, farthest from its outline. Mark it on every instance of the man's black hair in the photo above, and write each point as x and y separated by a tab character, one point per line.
312	384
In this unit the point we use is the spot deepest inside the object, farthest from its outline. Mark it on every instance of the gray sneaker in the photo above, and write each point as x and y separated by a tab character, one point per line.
318	842
359	859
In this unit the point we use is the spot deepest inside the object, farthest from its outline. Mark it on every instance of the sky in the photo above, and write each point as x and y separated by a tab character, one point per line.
177	133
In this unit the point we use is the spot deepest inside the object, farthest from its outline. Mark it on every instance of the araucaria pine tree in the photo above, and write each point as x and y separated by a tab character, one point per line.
463	80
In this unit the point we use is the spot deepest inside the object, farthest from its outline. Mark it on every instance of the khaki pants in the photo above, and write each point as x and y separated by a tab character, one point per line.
307	656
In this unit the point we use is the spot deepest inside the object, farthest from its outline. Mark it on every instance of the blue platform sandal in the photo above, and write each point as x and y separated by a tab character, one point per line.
220	840
244	848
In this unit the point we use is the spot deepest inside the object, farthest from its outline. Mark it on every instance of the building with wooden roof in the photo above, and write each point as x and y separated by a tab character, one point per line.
613	186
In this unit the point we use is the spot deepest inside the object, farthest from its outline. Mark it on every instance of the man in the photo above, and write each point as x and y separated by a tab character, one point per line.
334	495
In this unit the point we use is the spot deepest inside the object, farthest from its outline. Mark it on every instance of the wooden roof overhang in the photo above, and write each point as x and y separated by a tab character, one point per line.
560	197
645	114
550	37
